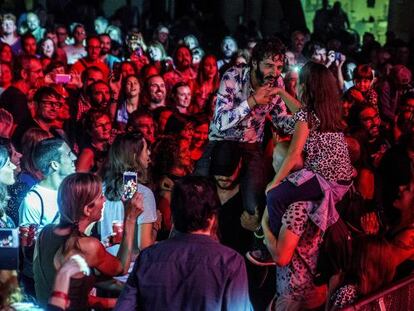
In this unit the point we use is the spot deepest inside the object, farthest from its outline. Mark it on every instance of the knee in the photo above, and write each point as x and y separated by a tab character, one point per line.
273	196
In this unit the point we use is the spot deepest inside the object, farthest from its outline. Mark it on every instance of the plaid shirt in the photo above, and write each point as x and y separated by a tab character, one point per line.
233	118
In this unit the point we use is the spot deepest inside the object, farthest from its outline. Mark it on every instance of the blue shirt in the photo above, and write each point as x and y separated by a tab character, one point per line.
187	272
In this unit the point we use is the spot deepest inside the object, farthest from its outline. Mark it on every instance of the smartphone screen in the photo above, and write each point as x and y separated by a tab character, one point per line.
130	181
9	249
62	78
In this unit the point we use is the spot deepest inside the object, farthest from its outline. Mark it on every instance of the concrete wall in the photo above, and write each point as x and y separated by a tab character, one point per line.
401	18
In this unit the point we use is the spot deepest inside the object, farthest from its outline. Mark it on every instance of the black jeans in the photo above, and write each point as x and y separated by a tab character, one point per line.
279	198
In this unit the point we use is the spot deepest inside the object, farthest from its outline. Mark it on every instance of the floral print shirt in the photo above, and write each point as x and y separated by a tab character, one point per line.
233	118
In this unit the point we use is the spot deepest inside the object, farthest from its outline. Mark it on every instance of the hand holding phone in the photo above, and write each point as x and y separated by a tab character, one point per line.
9	249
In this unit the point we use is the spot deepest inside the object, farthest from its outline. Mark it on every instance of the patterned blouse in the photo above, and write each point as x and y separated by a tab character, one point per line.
234	120
326	153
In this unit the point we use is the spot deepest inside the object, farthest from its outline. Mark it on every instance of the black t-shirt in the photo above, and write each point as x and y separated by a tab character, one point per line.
368	148
231	233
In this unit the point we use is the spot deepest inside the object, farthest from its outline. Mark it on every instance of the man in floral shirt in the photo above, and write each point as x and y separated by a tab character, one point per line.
245	97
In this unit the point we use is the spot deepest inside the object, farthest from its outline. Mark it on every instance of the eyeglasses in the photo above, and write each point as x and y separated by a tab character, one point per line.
50	103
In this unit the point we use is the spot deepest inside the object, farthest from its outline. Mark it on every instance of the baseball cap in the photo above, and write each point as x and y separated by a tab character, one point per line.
225	158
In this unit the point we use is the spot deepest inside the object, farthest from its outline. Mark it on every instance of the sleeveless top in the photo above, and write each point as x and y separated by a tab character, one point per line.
47	245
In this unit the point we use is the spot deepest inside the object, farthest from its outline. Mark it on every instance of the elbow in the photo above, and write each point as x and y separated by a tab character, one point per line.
282	260
121	269
145	242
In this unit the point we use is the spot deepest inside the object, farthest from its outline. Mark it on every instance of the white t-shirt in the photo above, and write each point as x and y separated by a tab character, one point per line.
114	210
31	208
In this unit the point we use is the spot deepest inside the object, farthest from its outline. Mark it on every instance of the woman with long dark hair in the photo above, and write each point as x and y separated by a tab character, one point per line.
81	202
319	138
323	180
129	100
206	83
129	153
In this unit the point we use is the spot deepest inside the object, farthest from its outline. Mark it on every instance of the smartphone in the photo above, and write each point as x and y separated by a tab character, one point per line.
130	181
62	78
9	249
338	56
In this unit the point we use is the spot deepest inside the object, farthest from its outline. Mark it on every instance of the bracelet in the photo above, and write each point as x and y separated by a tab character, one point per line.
258	236
59	294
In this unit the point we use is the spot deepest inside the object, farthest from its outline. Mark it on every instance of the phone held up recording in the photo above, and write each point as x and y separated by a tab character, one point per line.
130	182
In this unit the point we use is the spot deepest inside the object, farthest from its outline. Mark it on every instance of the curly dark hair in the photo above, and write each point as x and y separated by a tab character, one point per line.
267	48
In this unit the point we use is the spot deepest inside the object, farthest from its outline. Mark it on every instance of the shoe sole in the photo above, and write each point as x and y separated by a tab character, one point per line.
259	263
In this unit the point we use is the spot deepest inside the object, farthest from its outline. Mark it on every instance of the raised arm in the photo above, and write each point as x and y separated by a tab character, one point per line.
292	103
96	255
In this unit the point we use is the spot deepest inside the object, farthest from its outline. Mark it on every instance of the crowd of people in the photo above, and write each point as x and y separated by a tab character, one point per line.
293	152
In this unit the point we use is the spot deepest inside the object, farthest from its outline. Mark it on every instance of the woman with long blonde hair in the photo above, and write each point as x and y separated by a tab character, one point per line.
81	202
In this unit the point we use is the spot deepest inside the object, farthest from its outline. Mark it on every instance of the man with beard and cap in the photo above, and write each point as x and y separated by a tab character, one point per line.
182	71
245	97
226	168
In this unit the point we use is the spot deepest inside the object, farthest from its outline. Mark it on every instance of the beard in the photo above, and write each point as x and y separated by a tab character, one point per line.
262	79
230	184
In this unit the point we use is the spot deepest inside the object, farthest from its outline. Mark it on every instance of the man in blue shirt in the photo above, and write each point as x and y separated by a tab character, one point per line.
191	270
